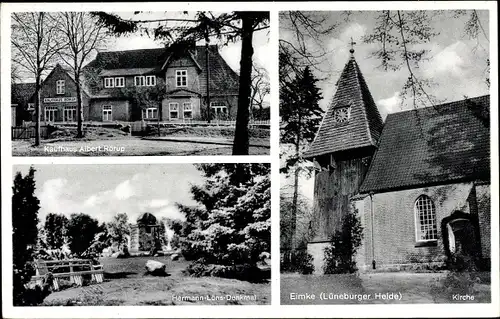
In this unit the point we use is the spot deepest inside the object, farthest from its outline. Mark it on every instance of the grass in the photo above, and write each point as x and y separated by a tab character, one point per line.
123	146
409	287
126	283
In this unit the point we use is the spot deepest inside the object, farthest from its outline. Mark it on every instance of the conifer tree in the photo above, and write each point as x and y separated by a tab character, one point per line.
301	115
232	224
25	206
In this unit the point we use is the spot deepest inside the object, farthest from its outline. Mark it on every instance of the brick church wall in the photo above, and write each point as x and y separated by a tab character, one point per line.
394	225
484	214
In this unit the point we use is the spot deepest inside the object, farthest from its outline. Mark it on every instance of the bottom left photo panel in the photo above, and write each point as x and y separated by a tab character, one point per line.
152	234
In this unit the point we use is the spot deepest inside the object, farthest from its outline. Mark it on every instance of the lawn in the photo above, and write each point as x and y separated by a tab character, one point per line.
389	287
124	146
126	283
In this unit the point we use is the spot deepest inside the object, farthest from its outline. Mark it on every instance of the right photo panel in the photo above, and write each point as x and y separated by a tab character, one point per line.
385	157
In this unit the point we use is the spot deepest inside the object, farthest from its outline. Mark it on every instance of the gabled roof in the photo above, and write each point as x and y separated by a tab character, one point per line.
21	93
129	59
365	123
432	145
70	74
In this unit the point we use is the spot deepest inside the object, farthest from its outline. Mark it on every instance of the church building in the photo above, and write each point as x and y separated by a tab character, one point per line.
420	182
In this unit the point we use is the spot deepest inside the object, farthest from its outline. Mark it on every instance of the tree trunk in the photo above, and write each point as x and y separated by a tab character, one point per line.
241	142
38	110
207	65
79	108
293	225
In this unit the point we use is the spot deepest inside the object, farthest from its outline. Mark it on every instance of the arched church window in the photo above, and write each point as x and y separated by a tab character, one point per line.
425	219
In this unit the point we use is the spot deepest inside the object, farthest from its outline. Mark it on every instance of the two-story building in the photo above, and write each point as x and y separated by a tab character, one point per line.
146	84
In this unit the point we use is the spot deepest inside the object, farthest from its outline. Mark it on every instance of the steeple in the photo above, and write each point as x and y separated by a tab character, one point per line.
352	120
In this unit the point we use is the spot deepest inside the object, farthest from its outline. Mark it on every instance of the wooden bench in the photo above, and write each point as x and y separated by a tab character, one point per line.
59	268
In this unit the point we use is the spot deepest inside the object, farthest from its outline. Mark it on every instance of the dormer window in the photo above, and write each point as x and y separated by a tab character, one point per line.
109	83
139	80
342	114
150	80
120	82
181	78
60	87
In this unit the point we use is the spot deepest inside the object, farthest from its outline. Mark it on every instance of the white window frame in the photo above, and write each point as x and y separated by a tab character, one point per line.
109	83
150	80
170	110
60	87
107	113
180	75
50	113
31	106
119	82
66	111
216	106
141	82
150	110
189	109
429	209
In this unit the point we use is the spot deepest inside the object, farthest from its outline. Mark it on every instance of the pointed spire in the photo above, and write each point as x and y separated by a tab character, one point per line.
352	120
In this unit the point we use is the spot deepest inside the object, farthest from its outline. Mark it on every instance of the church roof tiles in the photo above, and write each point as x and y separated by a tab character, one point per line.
432	145
364	125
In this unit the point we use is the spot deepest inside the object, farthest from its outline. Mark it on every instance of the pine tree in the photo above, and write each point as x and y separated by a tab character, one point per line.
25	206
301	115
232	224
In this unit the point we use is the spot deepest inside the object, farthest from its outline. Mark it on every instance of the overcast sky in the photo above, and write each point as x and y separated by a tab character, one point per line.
457	64
102	190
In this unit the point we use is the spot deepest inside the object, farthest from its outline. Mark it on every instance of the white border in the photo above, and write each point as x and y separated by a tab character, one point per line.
416	310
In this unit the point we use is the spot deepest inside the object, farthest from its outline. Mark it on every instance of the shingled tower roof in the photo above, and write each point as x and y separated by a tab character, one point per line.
364	125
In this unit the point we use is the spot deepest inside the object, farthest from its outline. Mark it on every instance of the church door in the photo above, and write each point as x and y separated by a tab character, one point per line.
462	240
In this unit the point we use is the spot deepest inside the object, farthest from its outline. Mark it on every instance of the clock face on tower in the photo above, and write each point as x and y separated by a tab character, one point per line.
342	114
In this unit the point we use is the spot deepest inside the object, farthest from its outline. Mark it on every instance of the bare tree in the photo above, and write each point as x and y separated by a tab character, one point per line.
398	34
35	43
260	88
84	35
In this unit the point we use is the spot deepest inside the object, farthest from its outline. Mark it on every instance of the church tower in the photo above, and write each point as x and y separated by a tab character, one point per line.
341	151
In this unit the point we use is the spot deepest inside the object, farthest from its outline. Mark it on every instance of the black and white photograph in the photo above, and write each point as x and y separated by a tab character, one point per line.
385	157
137	238
96	83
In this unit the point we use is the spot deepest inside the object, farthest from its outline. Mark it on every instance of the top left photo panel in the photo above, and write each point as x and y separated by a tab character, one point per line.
140	83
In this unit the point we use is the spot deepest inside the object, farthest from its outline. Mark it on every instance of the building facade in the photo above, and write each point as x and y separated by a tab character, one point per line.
163	84
419	182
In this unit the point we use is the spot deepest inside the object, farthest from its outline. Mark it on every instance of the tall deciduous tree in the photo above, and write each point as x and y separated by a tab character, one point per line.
119	228
228	27
232	223
301	116
84	36
25	206
55	230
36	41
81	232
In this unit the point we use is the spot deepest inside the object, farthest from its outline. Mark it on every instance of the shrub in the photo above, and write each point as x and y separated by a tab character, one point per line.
298	261
339	256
